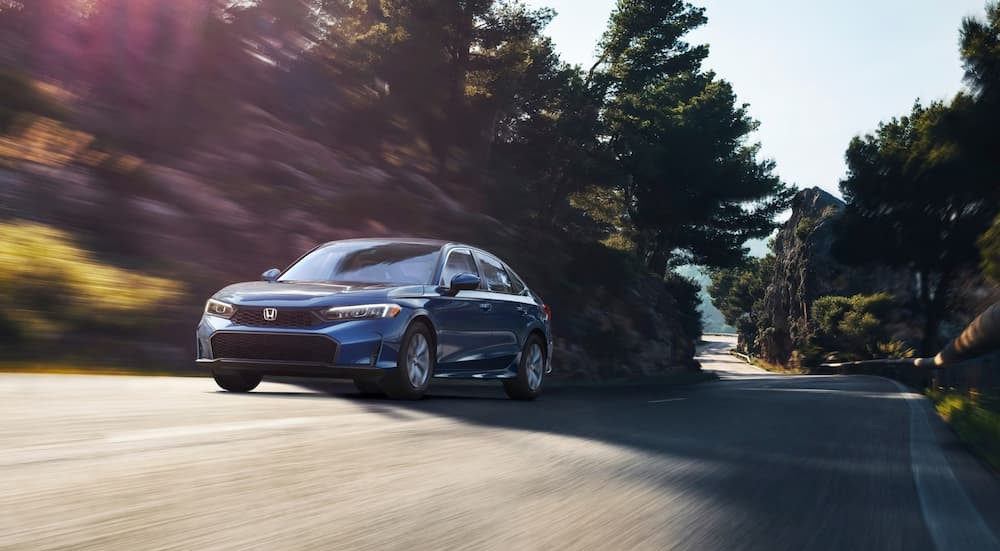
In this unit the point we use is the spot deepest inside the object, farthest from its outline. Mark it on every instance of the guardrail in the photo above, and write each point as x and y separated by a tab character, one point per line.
971	362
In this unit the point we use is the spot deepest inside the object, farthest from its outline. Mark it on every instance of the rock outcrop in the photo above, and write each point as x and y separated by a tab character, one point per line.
806	270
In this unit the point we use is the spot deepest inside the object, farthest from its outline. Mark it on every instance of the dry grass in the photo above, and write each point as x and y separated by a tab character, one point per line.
772	367
58	368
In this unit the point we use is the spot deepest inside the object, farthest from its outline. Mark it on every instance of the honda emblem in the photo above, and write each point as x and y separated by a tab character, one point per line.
270	314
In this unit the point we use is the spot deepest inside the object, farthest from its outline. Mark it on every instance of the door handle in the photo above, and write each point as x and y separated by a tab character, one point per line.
522	309
485	307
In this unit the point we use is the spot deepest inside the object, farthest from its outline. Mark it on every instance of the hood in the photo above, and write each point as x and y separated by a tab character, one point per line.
313	295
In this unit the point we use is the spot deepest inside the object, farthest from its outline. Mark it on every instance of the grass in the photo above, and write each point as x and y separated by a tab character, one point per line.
776	368
976	420
76	368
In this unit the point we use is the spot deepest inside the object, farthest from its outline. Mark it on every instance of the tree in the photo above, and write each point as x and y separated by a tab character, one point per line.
738	293
914	201
923	187
453	70
694	186
989	250
853	326
980	47
550	141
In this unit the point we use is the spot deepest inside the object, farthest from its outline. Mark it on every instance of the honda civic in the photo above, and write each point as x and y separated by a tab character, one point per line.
390	314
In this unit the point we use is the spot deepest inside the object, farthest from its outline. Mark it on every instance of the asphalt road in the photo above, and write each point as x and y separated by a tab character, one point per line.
754	461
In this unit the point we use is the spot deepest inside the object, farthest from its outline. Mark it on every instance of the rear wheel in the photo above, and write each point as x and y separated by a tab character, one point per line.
530	372
237	381
415	366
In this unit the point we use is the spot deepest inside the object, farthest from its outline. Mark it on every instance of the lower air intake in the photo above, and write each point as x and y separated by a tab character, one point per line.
280	348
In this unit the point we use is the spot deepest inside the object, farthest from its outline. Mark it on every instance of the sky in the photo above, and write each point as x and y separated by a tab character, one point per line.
815	74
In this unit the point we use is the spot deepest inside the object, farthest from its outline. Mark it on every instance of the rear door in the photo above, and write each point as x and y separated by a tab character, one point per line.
505	316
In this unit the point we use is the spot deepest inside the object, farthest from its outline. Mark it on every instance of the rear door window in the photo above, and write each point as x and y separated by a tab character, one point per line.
495	275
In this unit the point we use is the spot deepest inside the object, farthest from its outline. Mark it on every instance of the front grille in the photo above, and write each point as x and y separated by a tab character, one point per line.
292	318
283	348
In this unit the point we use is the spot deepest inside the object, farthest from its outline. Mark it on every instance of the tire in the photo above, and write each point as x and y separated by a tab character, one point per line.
368	387
237	381
530	372
415	366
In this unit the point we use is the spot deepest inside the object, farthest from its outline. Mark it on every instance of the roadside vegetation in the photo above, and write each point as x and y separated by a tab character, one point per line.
920	212
912	254
51	289
211	140
976	420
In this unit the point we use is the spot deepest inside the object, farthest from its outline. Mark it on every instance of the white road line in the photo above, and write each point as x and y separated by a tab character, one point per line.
665	400
198	430
151	439
951	518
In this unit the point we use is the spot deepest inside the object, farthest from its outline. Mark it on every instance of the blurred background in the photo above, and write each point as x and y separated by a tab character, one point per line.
152	152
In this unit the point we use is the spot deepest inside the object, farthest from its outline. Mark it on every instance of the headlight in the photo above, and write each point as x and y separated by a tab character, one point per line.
365	311
218	308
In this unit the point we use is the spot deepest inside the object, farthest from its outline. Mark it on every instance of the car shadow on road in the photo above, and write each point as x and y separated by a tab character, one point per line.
768	454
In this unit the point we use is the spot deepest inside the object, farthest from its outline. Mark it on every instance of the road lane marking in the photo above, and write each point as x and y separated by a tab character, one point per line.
199	430
665	400
169	437
951	518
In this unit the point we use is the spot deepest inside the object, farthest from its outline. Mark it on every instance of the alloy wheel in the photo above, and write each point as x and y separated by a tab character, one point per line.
418	360
535	367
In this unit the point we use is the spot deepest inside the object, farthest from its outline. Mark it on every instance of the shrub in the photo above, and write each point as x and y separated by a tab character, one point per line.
685	292
895	350
976	419
48	285
18	95
989	250
811	355
853	326
804	227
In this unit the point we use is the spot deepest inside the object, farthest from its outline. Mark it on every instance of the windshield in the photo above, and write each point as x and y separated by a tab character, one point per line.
366	262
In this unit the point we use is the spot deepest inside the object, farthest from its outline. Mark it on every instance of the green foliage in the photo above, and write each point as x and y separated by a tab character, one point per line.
989	250
924	187
627	169
810	354
48	285
976	419
894	350
695	189
852	326
805	227
980	47
739	293
685	292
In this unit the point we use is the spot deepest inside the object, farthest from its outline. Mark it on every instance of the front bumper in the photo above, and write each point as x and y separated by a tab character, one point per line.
357	348
293	369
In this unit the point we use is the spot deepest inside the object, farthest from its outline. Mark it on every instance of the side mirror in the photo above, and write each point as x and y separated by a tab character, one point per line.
271	275
464	282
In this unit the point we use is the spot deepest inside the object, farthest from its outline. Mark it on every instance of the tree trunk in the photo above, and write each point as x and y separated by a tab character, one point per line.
934	307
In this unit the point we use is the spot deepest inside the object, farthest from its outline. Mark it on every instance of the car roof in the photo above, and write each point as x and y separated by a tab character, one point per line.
409	240
446	245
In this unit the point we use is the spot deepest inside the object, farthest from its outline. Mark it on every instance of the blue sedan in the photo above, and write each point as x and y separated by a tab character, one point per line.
391	314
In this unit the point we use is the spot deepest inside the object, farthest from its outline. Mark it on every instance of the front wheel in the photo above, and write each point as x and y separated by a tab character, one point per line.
415	366
237	381
530	372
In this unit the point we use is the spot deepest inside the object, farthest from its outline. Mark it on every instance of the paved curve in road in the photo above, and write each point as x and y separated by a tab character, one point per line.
754	461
